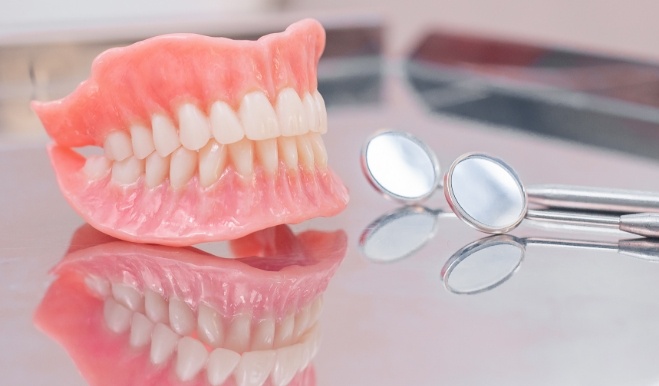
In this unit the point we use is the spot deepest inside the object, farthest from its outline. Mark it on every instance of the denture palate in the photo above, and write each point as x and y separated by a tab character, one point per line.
195	142
252	350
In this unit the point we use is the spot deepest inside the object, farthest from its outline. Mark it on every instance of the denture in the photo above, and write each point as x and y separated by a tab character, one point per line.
202	138
132	314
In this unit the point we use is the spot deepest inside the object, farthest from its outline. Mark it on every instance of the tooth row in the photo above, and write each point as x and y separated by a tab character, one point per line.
209	162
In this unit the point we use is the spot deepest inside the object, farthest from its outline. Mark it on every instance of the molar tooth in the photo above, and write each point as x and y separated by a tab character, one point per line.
311	116
118	146
266	152
284	333
225	125
301	322
155	307
264	335
212	161
128	296
319	151
288	151
242	156
157	169
163	343
128	170
255	367
117	317
100	286
221	363
181	317
194	127
97	167
191	358
209	326
258	117
289	113
288	363
182	167
140	330
165	136
322	113
237	337
305	152
142	141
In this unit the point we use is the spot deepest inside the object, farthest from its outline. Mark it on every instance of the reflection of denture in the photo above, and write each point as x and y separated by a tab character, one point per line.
138	314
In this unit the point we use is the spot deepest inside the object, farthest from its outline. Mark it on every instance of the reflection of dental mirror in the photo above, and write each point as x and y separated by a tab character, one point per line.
489	262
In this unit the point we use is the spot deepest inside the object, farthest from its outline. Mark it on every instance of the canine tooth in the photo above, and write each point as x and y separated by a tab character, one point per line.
289	113
305	152
225	125
165	137
142	141
118	146
264	335
309	345
190	359
155	307
140	330
288	151
316	309
287	364
163	343
284	332
128	170
321	112
301	322
181	317
258	117
238	333
319	151
221	363
255	367
242	156
266	152
209	326
212	161
157	169
311	116
127	295
98	285
194	127
182	166
97	167
117	317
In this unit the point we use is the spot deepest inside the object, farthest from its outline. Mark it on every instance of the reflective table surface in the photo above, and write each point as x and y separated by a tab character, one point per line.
406	309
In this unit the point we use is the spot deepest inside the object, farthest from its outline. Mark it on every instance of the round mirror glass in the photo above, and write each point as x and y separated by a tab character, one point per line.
401	166
486	193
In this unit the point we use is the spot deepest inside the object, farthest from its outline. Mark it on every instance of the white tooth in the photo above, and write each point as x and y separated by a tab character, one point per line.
288	363
266	152
163	343
305	152
98	285
117	317
142	141
284	333
212	161
194	127
289	113
118	146
128	170
157	169
155	307
182	166
209	326
258	117
165	136
190	359
181	317
97	167
288	151
128	296
221	363
264	335
322	113
255	367
309	345
301	322
319	151
316	309
225	124
242	156
140	330
238	333
311	116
